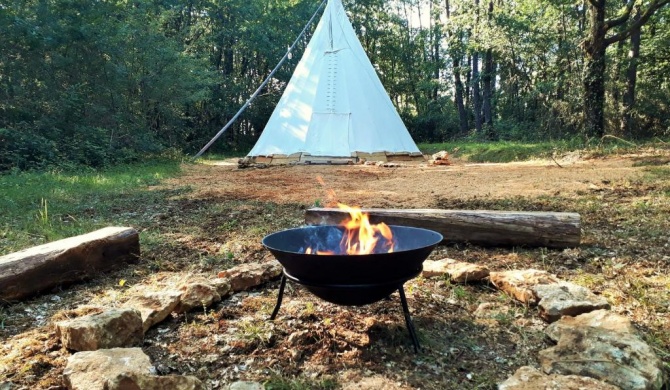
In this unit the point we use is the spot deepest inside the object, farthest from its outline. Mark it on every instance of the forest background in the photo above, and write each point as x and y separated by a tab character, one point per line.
102	82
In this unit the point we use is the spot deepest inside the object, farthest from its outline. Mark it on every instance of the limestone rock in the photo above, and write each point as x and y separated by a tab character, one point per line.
142	381
519	283
603	319
619	358
120	369
245	276
529	378
154	307
458	271
196	295
222	286
566	299
91	370
73	259
440	158
246	385
109	329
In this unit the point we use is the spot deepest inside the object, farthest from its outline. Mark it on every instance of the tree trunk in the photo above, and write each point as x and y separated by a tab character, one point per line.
594	72
487	103
479	227
476	93
487	84
458	98
627	120
459	91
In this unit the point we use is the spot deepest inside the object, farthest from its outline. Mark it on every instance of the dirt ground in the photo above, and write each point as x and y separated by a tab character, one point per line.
413	185
214	215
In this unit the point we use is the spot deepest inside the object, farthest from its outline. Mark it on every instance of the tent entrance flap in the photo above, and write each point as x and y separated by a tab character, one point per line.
328	134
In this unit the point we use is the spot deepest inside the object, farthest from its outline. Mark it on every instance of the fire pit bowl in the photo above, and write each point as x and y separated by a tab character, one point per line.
350	279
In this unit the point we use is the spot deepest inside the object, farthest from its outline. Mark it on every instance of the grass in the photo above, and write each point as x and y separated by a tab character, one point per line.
509	151
42	207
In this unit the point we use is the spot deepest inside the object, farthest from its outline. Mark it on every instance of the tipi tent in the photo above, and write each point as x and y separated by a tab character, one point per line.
334	107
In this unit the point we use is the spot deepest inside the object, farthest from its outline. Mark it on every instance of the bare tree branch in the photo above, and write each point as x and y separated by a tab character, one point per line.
653	7
621	19
597	3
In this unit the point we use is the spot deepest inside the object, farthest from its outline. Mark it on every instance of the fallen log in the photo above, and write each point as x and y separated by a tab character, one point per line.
479	227
30	271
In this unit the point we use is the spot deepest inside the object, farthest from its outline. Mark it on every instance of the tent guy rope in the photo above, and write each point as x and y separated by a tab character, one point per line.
267	79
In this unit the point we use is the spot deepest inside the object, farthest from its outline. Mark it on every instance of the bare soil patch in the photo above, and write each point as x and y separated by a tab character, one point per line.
214	216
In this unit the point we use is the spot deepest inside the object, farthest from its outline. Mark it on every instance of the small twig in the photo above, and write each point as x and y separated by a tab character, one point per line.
620	139
556	162
661	141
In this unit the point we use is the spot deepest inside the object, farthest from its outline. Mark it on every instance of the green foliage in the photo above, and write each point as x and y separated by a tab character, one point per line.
101	83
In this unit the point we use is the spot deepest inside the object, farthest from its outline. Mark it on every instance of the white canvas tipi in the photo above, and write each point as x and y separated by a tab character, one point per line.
334	105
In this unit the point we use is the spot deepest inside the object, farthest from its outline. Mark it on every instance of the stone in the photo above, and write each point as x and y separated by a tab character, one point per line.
299	338
440	158
518	283
529	378
566	299
619	358
92	369
109	329
120	369
603	319
40	268
357	380
458	271
142	381
245	385
196	295
154	307
246	276
6	385
222	286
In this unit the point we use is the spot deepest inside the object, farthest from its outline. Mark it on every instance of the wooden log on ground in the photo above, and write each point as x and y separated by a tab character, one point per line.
30	271
479	227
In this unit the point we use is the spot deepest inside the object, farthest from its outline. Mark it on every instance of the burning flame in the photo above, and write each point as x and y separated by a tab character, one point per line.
360	236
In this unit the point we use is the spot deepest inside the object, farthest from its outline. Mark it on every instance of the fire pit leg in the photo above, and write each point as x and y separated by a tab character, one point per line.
282	284
408	320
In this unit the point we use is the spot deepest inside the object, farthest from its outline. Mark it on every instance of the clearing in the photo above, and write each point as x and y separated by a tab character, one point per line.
213	216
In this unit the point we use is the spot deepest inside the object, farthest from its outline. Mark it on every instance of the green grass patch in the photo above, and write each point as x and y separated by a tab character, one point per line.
41	207
495	152
509	151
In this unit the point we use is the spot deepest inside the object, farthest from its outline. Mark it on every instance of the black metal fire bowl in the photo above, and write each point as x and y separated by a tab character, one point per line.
350	279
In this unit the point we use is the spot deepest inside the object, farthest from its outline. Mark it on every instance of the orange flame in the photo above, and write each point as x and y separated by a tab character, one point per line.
360	236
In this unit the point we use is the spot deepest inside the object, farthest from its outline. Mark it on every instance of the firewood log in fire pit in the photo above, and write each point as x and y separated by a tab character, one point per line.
479	227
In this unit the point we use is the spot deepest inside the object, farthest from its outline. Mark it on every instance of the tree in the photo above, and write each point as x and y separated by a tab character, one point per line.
594	49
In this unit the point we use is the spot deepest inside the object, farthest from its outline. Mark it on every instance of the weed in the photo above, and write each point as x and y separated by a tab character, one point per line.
309	309
277	382
4	316
256	331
